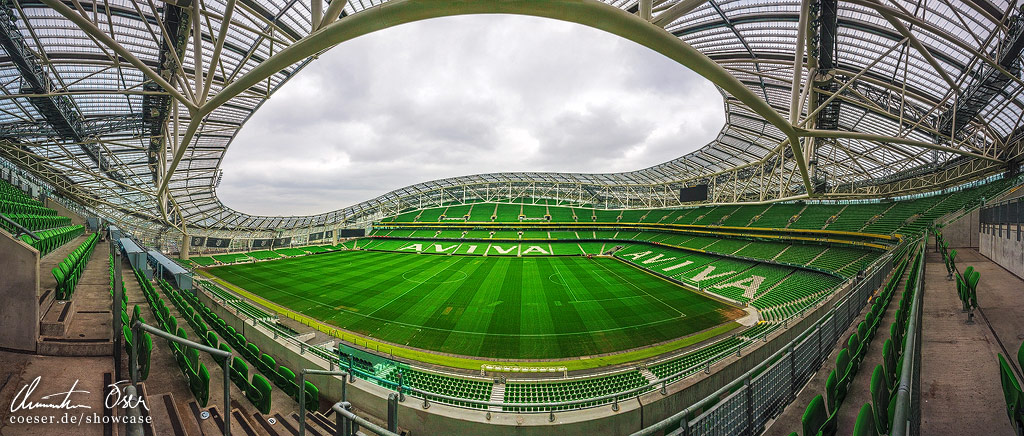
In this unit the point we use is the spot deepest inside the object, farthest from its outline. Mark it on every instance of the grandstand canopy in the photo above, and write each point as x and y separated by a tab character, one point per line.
127	107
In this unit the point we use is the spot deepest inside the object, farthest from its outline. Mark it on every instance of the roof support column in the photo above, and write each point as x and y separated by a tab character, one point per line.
186	242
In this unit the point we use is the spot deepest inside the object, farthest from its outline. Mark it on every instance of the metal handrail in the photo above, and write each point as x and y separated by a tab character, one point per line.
346	418
904	396
20	227
133	364
302	392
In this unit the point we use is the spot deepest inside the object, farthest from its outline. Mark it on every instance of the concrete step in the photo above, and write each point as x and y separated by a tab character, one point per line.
83	325
57	318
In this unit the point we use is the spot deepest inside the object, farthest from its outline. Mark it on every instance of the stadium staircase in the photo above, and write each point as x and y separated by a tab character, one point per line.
185	397
73	297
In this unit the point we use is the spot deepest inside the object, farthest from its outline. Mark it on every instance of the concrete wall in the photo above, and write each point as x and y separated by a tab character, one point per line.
63	211
19	288
1005	249
964	232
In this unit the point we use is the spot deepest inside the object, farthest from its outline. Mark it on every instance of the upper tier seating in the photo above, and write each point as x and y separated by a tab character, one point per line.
777	216
904	216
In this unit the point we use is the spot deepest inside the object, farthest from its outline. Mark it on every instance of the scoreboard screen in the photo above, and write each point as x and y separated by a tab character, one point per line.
198	241
261	243
352	233
695	193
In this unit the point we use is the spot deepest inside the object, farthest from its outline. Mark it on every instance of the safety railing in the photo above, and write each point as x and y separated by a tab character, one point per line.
348	423
21	229
133	365
907	417
764	391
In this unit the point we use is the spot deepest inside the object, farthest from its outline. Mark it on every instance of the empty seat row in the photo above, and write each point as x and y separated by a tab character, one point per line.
70	270
257	390
966	283
50	240
572	390
34	222
820	416
187	358
9	206
1012	394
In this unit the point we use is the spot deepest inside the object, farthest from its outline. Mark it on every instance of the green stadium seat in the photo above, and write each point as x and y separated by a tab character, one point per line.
210	340
832	391
239	373
889	362
1012	394
258	393
1020	355
816	420
312	397
286	380
856	351
199	384
972	286
145	355
845	366
192	358
880	400
266	364
865	425
251	352
864	333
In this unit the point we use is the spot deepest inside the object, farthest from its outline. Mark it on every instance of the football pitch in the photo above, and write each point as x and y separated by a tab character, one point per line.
489	307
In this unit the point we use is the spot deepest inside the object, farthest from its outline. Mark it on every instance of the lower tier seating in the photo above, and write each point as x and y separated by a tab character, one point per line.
562	391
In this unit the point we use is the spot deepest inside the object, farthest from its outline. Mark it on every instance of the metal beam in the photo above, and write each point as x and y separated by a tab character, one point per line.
89	28
896	140
682	7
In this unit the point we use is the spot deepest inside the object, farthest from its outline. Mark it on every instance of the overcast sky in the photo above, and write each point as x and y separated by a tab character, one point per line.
464	95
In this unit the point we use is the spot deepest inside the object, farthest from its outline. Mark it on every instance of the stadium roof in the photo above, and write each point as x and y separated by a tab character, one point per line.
103	99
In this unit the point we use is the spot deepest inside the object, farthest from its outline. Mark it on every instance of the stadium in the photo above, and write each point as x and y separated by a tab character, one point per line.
844	257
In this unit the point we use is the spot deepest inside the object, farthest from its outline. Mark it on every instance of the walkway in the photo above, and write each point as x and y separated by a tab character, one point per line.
960	369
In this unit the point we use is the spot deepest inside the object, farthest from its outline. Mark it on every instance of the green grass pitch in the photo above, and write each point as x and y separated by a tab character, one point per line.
490	307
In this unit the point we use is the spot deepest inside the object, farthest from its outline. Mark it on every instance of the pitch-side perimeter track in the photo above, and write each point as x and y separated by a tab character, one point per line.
487	307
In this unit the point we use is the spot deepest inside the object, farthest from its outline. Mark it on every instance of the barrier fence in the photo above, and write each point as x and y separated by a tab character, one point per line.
907	417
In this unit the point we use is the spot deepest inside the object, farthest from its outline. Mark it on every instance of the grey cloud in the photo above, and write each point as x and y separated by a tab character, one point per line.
464	95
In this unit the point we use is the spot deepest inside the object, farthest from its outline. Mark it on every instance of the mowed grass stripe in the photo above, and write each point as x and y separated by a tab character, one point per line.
494	307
